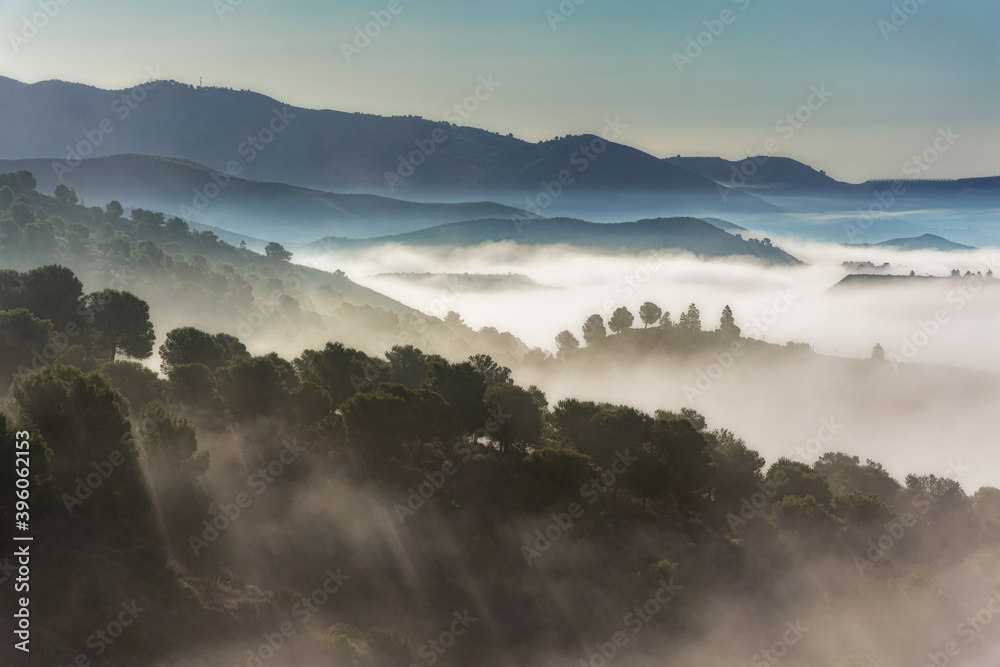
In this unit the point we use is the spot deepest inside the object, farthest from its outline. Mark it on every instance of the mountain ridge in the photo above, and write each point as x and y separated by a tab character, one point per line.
252	208
333	150
679	233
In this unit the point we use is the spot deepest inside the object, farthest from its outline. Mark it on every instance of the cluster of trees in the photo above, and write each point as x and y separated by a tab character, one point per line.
955	273
45	317
594	329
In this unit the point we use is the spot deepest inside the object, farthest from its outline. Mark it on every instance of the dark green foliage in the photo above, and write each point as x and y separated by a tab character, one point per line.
647	478
611	431
255	386
690	320
380	422
23	341
191	385
696	418
943	493
65	195
571	420
22	214
20	182
566	343
553	476
137	383
593	330
176	468
860	511
727	325
171	440
232	345
340	370
621	320
845	475
177	227
986	503
803	481
83	419
121	322
310	403
738	469
6	198
409	366
114	210
52	293
38	241
494	374
10	289
277	251
684	452
519	421
188	345
462	387
649	313
806	518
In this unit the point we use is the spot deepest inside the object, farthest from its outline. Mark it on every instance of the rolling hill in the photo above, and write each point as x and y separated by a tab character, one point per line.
793	185
685	234
343	152
924	242
775	174
272	211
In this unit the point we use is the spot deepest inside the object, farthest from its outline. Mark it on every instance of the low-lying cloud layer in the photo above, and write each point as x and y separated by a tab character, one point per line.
910	417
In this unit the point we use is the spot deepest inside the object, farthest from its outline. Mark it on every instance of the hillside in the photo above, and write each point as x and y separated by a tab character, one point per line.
687	234
797	186
939	282
272	211
924	242
261	297
270	483
770	173
332	150
263	504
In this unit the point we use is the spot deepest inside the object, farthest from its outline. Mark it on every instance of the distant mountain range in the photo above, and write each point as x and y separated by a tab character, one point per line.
263	210
344	152
296	174
685	234
781	181
779	175
923	242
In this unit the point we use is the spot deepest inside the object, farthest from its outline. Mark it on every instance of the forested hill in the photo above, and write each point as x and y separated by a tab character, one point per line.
242	504
346	503
262	297
683	234
258	209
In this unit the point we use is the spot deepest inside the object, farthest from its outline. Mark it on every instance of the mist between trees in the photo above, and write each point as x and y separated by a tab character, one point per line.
649	492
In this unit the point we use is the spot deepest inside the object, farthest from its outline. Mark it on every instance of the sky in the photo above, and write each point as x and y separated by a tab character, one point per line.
853	87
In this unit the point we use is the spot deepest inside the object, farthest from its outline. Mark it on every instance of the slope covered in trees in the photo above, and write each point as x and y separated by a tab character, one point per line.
199	194
262	298
366	502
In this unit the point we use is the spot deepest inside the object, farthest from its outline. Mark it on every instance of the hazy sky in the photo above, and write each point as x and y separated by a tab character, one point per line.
893	84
